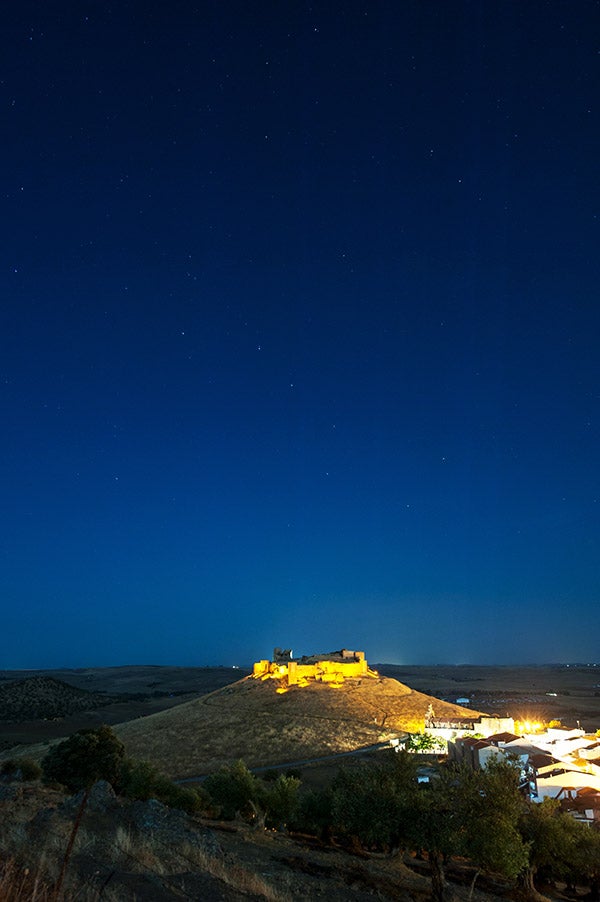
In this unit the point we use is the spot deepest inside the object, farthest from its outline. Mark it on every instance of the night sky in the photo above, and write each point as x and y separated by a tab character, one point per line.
299	331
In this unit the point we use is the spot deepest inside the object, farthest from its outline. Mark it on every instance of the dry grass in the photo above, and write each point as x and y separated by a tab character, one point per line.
21	884
144	854
113	860
230	872
250	720
106	851
139	854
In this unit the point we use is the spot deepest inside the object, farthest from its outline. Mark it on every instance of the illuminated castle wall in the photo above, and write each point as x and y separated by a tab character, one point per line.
331	668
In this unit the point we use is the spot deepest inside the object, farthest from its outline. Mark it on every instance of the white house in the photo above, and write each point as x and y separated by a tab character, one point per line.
585	808
567	785
444	730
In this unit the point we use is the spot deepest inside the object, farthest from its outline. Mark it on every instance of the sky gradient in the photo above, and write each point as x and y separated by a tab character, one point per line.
299	332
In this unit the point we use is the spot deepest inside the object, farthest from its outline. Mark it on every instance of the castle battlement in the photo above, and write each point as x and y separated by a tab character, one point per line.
332	668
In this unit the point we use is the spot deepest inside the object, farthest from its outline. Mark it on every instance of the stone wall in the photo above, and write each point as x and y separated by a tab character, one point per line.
353	665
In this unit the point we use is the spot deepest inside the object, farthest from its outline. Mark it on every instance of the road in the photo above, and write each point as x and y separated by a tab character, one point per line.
378	747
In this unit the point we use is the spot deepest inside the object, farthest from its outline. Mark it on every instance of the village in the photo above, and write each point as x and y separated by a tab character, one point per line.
554	762
316	736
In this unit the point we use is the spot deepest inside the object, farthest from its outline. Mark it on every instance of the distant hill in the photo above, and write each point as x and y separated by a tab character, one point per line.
44	697
251	720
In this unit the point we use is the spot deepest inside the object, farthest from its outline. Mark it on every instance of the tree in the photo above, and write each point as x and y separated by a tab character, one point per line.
549	835
281	801
175	796
435	825
138	779
83	758
371	803
364	807
474	814
585	864
491	838
314	813
421	742
142	780
78	762
234	790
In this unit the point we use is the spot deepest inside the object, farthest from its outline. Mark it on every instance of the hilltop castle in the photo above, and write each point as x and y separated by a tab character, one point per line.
332	668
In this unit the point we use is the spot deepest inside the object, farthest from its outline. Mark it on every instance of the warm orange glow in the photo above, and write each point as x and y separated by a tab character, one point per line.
295	673
529	726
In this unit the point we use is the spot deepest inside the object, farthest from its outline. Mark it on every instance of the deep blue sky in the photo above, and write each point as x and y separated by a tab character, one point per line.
299	331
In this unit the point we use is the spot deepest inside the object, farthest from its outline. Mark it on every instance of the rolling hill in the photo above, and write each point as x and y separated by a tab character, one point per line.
249	719
46	698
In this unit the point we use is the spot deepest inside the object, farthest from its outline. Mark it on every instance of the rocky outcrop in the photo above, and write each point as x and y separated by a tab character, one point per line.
170	825
101	798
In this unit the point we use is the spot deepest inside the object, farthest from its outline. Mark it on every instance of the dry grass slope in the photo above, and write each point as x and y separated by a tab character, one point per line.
250	720
140	851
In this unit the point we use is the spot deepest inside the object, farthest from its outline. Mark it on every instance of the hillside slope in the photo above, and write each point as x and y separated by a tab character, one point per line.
44	697
250	720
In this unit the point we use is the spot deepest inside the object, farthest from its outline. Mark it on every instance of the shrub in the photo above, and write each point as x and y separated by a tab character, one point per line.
142	780
281	801
314	813
270	775
85	757
294	772
22	769
421	742
176	796
371	802
137	779
233	789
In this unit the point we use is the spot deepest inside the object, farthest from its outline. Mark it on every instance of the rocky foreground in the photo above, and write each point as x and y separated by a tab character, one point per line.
146	852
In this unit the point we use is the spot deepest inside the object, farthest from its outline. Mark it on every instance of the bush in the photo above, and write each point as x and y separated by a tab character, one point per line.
421	743
176	796
314	813
281	801
233	789
141	780
85	757
137	779
22	769
294	772
371	802
270	775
